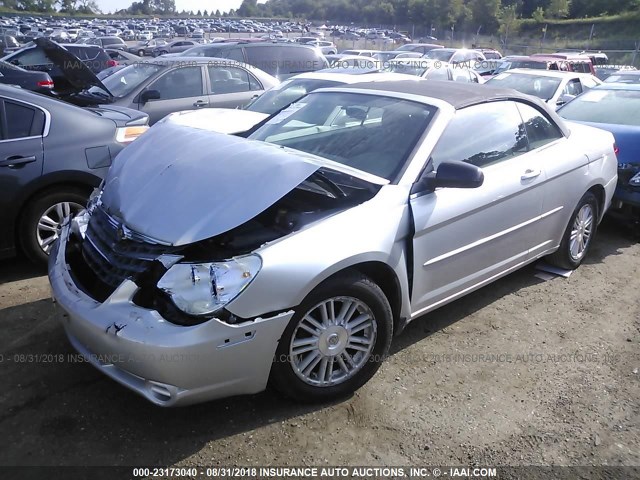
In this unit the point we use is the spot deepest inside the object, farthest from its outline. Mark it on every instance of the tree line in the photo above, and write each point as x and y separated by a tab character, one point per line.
486	16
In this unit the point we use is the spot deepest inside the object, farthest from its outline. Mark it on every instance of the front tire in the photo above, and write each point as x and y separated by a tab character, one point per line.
42	221
141	53
335	342
578	235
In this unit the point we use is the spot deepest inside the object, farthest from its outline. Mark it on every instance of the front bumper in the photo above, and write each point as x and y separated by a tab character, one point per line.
168	364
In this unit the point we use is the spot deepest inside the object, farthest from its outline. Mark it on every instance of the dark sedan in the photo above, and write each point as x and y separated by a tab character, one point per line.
51	156
36	81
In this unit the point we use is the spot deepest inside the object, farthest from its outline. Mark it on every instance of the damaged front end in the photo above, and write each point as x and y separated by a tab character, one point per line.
187	226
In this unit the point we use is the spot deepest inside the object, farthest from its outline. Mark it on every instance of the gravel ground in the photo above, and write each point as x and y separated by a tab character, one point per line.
522	372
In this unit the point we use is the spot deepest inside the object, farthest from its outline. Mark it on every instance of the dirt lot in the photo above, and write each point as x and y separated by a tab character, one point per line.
558	383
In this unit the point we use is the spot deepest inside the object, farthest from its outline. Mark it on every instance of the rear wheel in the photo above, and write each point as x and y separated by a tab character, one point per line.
579	234
335	342
43	218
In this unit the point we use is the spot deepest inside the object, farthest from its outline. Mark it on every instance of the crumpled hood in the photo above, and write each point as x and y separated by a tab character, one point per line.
180	185
222	120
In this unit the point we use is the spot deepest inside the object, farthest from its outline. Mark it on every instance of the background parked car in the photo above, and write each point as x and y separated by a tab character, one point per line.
434	70
282	60
41	56
555	88
146	47
616	108
108	42
8	44
159	88
51	155
39	82
178	46
419	47
624	76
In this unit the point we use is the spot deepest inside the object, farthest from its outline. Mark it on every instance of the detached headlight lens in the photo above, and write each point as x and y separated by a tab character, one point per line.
635	180
204	288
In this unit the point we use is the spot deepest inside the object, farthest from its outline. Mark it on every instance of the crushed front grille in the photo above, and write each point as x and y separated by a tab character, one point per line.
115	253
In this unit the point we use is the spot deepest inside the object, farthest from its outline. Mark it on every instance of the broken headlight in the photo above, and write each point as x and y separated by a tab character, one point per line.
204	288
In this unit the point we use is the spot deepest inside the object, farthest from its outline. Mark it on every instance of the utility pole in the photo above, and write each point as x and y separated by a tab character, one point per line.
593	25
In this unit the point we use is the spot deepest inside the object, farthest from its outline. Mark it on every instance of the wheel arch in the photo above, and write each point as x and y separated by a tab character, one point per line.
382	275
79	181
600	194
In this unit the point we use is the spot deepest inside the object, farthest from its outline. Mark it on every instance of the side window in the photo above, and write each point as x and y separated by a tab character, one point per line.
179	83
540	130
227	79
254	84
498	135
573	88
233	54
33	56
22	120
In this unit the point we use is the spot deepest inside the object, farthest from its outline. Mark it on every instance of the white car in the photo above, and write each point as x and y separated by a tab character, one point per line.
553	87
434	70
146	35
226	120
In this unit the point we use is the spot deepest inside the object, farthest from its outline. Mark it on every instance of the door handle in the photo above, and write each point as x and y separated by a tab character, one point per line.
17	161
530	173
201	103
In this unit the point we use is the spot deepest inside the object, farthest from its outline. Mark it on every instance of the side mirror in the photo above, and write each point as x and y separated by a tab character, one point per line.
450	175
149	95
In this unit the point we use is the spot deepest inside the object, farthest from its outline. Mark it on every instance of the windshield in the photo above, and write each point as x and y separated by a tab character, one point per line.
441	54
372	133
619	107
286	93
541	87
124	81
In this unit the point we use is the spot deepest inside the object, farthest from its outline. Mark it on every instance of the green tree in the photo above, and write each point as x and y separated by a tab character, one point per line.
248	8
485	14
538	15
509	22
67	6
559	8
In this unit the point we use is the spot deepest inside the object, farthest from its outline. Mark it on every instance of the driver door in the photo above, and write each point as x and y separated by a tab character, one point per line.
181	88
467	237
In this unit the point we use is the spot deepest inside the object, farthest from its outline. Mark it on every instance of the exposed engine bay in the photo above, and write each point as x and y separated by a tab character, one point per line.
101	261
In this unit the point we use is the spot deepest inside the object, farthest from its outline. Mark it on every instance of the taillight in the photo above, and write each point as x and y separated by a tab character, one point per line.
111	63
615	149
45	84
129	134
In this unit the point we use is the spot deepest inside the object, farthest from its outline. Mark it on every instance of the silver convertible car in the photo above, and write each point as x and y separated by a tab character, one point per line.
211	265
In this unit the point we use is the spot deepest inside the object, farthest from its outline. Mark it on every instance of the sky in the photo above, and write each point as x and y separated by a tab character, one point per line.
110	6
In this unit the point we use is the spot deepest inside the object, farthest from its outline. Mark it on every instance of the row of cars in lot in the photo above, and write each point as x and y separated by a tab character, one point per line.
288	241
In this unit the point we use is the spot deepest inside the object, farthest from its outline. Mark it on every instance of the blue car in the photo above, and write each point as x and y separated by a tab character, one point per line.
616	108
